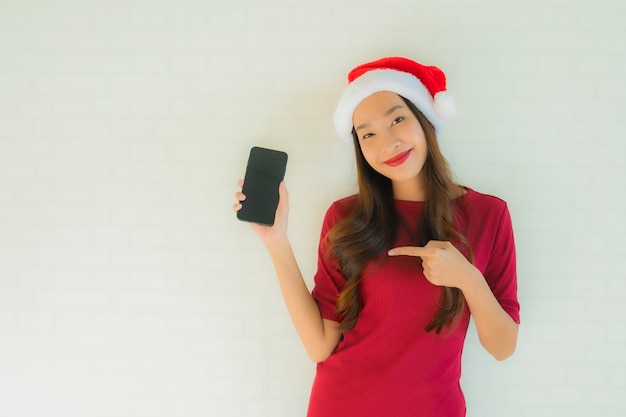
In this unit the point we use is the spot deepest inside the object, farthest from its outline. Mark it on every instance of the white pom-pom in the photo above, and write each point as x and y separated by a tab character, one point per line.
444	105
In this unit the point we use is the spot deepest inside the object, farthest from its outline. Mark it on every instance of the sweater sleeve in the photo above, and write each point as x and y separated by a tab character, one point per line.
501	271
329	281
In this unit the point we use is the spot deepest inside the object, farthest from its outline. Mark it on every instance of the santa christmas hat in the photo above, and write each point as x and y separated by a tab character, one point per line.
424	86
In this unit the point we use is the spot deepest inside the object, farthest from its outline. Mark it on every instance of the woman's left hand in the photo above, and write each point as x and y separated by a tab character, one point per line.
443	264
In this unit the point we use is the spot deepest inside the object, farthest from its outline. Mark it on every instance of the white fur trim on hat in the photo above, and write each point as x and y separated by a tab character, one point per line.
401	83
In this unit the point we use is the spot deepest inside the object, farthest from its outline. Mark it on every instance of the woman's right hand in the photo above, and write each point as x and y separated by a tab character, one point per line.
276	232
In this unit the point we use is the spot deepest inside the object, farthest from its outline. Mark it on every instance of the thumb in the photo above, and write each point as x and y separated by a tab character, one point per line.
283	196
282	192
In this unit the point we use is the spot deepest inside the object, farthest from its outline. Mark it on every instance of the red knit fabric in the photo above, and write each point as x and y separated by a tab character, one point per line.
387	365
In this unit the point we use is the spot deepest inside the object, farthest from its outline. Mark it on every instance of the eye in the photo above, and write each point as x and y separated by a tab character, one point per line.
367	136
397	120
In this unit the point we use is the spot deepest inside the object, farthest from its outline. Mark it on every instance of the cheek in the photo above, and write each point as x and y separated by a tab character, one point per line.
369	154
371	160
415	131
419	139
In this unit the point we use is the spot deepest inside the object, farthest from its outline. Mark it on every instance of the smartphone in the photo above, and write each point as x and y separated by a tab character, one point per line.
264	172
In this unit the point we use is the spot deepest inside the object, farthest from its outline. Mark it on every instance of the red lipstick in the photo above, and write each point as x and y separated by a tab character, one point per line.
398	159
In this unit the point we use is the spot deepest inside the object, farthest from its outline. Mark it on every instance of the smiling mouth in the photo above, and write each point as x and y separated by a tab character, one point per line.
398	159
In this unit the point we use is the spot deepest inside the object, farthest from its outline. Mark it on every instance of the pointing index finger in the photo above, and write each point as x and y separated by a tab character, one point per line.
410	251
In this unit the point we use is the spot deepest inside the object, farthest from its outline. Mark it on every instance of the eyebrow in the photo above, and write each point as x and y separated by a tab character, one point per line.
387	113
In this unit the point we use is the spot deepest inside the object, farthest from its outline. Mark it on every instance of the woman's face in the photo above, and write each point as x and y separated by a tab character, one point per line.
392	141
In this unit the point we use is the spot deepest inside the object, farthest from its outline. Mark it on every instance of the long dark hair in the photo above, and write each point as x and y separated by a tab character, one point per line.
370	229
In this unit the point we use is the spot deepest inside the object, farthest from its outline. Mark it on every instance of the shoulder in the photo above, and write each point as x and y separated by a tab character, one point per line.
477	201
343	206
339	210
484	213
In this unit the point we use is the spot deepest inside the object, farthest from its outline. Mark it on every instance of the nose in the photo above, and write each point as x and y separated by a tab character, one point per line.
391	141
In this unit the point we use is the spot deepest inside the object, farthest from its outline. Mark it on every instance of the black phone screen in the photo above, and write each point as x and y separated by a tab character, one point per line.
264	172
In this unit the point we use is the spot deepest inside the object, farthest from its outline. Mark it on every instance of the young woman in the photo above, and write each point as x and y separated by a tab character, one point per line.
402	264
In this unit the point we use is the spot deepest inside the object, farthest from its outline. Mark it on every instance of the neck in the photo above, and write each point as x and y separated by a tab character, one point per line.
409	190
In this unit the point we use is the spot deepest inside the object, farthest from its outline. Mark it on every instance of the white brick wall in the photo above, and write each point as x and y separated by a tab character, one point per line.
127	287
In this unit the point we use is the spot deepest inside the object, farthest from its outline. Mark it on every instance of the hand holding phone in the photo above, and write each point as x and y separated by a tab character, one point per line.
264	173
